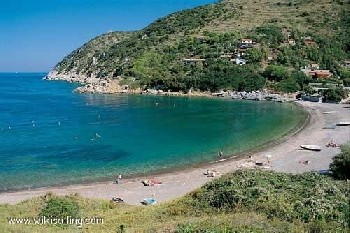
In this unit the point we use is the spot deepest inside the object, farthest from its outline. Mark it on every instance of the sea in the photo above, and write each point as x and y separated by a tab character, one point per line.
51	135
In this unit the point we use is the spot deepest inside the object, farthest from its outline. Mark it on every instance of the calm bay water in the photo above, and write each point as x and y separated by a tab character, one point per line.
51	135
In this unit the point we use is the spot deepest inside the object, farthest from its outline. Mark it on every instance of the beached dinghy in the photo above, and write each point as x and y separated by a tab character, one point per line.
343	123
329	112
311	147
329	126
149	201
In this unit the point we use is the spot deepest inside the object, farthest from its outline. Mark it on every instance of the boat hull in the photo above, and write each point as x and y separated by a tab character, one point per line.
311	147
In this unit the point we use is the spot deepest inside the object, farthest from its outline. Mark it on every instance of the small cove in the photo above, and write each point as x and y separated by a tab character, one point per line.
53	136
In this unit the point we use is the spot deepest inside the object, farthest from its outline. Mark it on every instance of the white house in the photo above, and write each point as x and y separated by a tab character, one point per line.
240	61
247	41
347	64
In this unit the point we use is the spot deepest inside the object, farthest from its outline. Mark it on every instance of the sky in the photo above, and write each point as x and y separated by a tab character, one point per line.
36	34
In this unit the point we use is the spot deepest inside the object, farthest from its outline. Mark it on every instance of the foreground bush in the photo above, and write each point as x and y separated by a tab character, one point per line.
60	208
244	201
305	197
341	163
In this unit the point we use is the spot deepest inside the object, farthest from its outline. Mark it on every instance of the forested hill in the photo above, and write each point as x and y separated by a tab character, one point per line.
202	48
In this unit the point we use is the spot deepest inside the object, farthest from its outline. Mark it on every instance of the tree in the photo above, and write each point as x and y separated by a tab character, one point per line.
256	55
288	85
345	76
334	95
276	73
301	79
272	34
251	82
341	163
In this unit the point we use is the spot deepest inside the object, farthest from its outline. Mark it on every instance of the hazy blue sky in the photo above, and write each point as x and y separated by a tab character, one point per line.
36	34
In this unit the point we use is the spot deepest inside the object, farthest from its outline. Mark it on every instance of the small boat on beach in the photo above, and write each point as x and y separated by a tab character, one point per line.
343	123
149	201
311	147
329	112
329	126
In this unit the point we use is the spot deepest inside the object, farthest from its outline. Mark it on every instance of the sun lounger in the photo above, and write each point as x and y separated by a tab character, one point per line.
151	182
154	181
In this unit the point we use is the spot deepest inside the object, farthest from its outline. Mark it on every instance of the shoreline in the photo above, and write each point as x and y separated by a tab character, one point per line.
181	181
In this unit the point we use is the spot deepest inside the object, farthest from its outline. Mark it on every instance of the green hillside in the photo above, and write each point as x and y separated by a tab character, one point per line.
198	48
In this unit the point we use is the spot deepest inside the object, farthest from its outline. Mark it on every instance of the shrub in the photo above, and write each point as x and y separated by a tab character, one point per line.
60	208
276	73
341	163
288	85
334	95
304	14
307	197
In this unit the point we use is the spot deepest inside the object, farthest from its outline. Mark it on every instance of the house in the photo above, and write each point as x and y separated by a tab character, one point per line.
226	55
313	66
347	64
239	61
308	72
290	42
308	41
246	46
317	74
94	60
187	61
323	74
241	52
246	41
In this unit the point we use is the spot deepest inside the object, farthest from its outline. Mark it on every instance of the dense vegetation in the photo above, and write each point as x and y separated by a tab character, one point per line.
245	201
341	163
60	208
153	57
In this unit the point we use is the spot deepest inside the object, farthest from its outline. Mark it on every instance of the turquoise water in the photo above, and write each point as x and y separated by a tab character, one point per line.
51	135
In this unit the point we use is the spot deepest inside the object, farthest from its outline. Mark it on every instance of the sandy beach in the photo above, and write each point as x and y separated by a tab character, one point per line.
286	156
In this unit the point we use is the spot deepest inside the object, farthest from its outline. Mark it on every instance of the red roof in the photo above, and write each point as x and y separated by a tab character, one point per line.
323	73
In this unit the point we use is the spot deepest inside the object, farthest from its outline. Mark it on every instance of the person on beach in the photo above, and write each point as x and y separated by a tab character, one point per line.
118	179
331	144
221	154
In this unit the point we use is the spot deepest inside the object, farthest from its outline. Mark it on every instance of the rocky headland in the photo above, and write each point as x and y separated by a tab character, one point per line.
94	84
91	84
